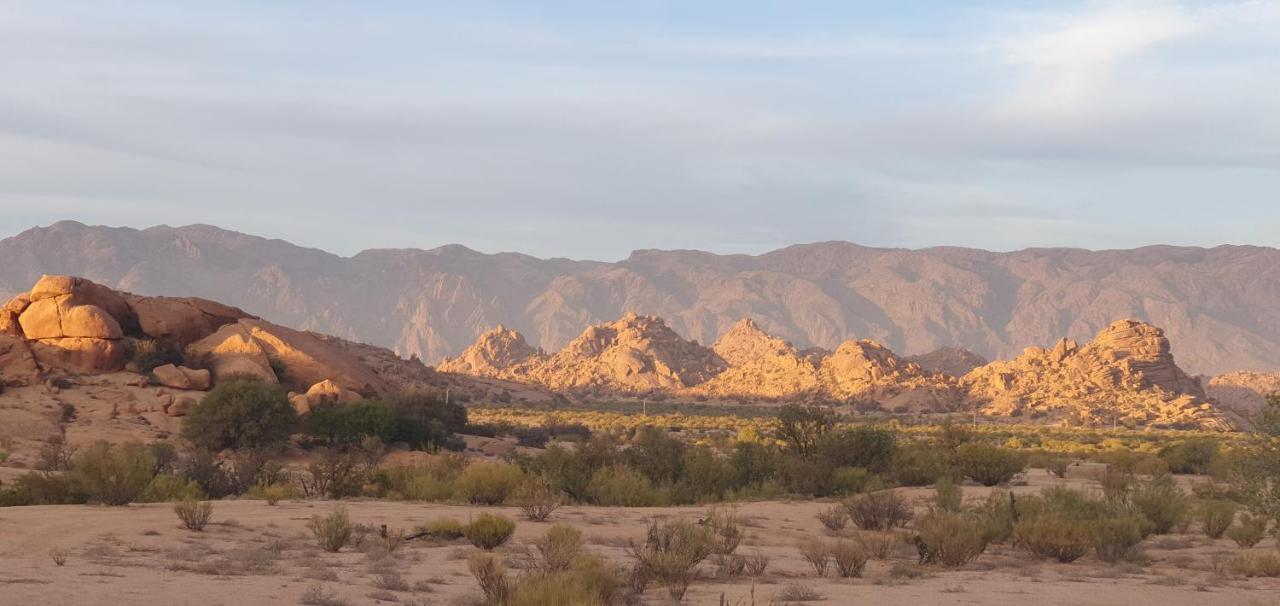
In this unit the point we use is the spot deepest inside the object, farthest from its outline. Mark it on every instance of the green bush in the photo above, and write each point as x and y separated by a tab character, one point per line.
1249	532
948	495
882	510
1159	501
429	480
489	531
1216	517
114	475
332	532
558	548
869	448
949	539
44	488
621	486
1117	538
488	483
353	422
445	529
987	464
166	488
1055	536
425	421
919	464
589	581
241	414
802	427
1196	455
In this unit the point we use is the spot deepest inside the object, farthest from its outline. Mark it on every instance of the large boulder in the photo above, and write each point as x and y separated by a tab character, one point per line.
81	355
181	405
200	379
42	320
232	351
90	321
182	321
328	392
79	291
169	376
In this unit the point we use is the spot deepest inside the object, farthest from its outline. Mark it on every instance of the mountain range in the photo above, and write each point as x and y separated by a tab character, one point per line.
1219	306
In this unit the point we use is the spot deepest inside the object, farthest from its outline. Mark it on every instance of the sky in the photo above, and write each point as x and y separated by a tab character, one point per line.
591	129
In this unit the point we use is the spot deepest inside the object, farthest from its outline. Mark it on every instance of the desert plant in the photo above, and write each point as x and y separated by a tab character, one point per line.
1256	564
114	474
1216	517
491	574
817	554
1052	535
797	593
1160	501
272	493
834	518
622	486
445	529
878	545
241	414
849	558
166	488
729	566
59	556
558	547
488	483
756	564
882	510
590	580
949	539
489	532
725	532
1249	531
948	495
671	554
333	531
1116	538
988	464
193	514
537	499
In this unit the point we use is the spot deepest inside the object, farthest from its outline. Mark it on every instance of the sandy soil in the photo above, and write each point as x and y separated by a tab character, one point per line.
257	554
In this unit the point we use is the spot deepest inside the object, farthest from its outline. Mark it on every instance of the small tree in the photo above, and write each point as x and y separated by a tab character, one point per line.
803	427
241	414
988	464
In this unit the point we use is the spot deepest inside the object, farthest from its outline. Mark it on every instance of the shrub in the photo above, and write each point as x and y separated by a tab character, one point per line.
817	554
852	480
877	545
1056	536
948	496
491	575
801	427
336	475
1116	538
241	414
147	354
114	475
1256	564
558	547
1196	455
849	558
332	532
622	486
868	448
671	554
488	532
445	529
949	539
488	483
425	421
987	464
882	510
834	518
919	465
1249	532
193	514
430	480
722	526
588	581
756	564
271	493
350	423
1159	501
166	488
537	500
1216	517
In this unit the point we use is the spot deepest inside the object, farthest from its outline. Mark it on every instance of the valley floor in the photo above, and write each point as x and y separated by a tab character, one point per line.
253	553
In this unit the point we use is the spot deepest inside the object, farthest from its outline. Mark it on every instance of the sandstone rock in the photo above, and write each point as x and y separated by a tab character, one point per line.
954	361
761	366
493	352
19	303
17	364
179	320
42	320
233	351
89	321
170	376
301	404
327	392
80	355
79	291
9	324
200	379
182	404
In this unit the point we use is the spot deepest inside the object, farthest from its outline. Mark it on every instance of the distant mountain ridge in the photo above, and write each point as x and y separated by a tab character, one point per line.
1220	307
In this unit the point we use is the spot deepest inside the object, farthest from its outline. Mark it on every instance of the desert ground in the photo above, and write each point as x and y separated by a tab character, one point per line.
253	553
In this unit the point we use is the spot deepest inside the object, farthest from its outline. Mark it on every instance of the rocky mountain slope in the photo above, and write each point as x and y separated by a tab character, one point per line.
1217	304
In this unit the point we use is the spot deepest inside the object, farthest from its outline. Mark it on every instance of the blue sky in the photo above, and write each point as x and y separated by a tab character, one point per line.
589	129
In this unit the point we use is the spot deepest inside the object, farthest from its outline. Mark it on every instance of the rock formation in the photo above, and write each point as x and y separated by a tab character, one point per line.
1126	375
866	370
1243	394
954	361
760	365
496	351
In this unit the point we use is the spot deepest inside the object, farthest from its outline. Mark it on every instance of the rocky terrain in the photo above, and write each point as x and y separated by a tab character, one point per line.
1214	303
1125	375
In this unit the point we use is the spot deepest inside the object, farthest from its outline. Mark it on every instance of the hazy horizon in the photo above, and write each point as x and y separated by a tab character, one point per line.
588	131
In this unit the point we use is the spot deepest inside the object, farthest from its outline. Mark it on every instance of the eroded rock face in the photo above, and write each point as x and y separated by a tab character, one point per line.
1125	375
1243	394
761	365
494	352
954	361
80	355
17	364
867	370
181	320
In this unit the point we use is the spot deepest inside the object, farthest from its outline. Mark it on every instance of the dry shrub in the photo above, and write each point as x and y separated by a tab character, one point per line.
1256	564
834	518
59	556
489	531
1052	535
272	493
445	529
877	545
730	566
332	532
316	595
1117	538
798	593
558	548
882	510
488	483
193	514
1249	532
816	553
537	499
726	533
756	564
1216	517
671	554
948	496
849	558
491	574
589	581
391	582
949	539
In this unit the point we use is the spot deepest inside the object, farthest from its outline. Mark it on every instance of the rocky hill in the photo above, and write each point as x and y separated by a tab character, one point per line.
954	361
1214	303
